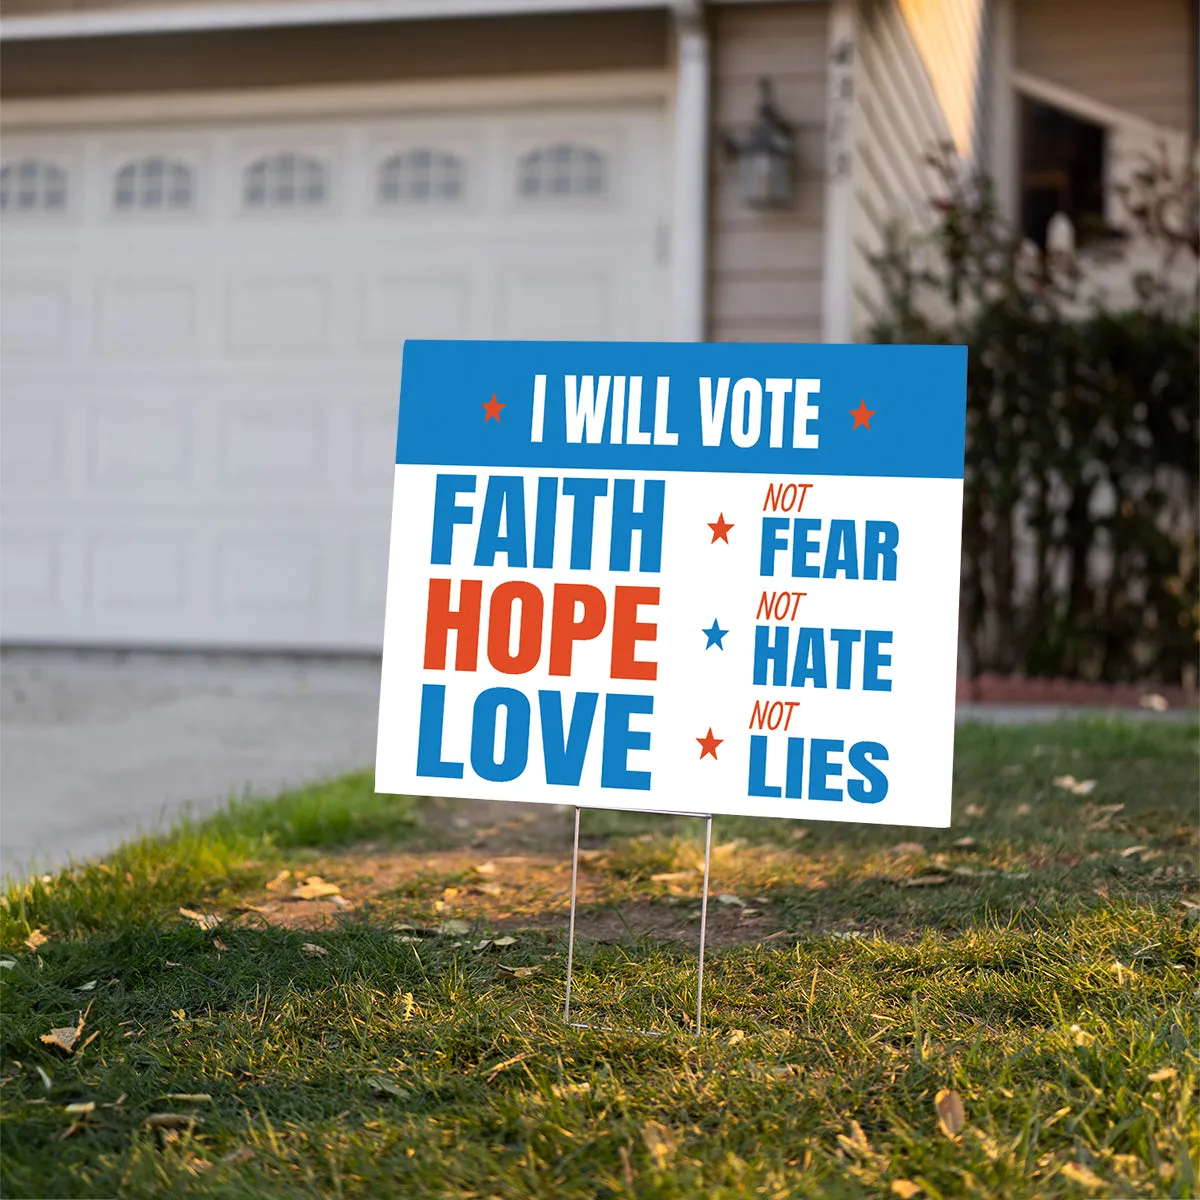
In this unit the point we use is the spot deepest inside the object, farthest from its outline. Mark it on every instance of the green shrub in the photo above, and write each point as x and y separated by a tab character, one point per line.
1080	552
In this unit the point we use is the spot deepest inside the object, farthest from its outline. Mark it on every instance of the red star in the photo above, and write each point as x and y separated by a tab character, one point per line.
493	410
862	415
709	744
720	528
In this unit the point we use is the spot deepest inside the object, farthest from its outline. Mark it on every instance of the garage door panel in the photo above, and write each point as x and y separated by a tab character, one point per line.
35	317
374	457
147	316
132	573
32	450
268	314
33	572
138	447
400	305
203	336
266	446
264	573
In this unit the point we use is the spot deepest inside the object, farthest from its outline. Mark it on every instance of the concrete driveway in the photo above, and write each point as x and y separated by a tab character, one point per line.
96	747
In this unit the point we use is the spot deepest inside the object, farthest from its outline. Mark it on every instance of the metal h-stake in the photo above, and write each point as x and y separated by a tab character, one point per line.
703	920
571	939
703	925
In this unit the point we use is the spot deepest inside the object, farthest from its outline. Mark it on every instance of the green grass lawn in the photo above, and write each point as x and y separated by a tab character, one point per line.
1038	961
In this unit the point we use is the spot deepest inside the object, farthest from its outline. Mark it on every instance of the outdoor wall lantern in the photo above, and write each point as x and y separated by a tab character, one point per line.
766	154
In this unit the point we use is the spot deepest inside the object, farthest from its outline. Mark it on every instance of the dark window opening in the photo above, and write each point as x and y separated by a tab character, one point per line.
1062	170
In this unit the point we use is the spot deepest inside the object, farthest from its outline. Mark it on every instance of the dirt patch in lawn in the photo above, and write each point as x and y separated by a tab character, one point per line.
506	892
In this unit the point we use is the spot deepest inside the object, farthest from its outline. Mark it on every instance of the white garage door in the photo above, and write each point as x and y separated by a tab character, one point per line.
202	328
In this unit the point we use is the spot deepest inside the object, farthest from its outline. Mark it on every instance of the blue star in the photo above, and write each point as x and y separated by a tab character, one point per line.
714	635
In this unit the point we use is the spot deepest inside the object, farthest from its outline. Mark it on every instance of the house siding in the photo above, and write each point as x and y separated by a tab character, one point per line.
949	35
897	122
297	56
1135	55
765	268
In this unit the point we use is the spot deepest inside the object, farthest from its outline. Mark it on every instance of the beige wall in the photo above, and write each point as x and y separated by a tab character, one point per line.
393	52
899	119
38	8
765	268
1136	55
949	36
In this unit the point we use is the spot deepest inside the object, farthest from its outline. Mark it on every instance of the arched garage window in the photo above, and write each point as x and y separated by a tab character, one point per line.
285	180
421	176
154	184
32	185
561	171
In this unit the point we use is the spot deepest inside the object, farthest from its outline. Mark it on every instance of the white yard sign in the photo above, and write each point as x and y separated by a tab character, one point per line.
692	578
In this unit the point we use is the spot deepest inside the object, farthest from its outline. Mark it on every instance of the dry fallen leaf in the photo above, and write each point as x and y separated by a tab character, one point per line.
83	1108
381	1083
1081	1037
1162	1074
975	810
1098	816
341	902
925	881
1077	787
1154	702
456	926
785	1071
856	1142
1131	850
672	876
736	1036
660	1141
504	941
965	843
273	885
950	1112
313	888
36	939
220	945
1023	810
488	889
240	1155
905	1189
87	987
571	1089
313	950
1078	1173
519	972
199	919
66	1038
487	868
172	1120
1122	972
729	898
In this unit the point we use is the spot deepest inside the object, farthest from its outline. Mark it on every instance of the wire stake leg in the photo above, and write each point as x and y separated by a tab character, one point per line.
703	919
571	936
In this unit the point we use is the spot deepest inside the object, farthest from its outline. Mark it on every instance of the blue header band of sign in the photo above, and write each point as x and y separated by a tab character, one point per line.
916	395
